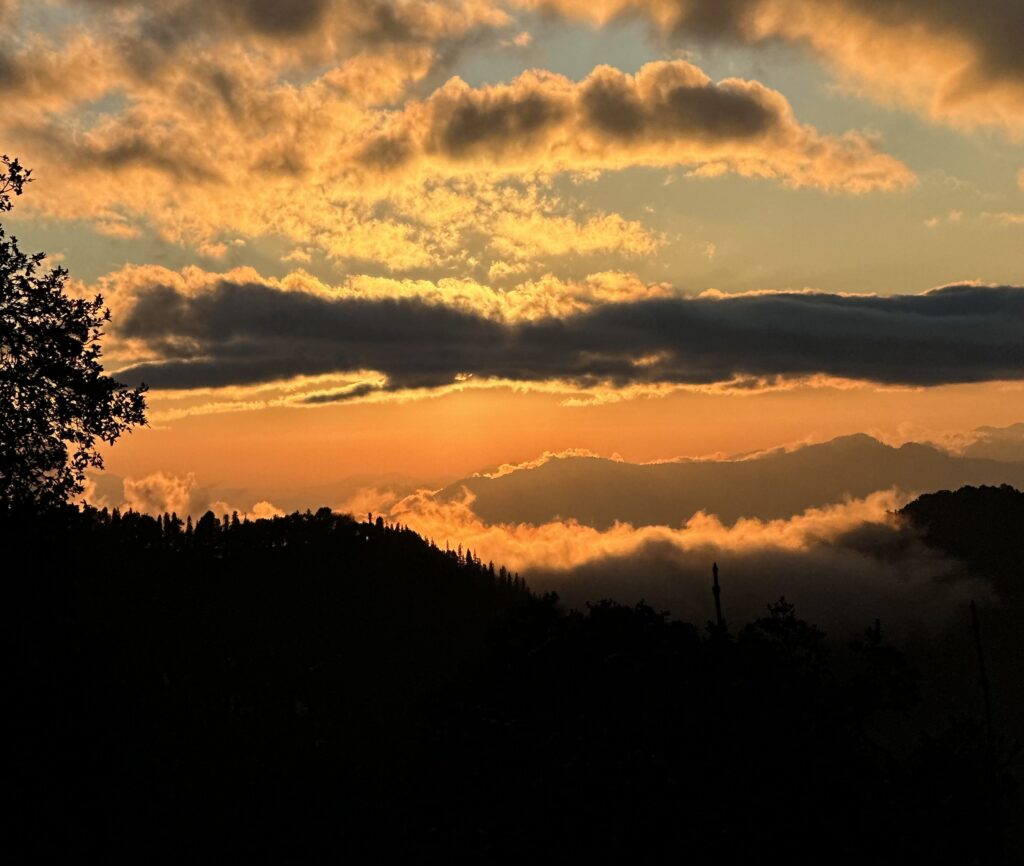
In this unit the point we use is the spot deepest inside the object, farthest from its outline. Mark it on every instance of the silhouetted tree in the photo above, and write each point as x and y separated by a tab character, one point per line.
55	401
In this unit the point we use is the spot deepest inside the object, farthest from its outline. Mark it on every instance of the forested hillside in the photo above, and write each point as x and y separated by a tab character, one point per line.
315	688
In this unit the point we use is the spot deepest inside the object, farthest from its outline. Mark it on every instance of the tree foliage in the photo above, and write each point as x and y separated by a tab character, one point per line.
55	400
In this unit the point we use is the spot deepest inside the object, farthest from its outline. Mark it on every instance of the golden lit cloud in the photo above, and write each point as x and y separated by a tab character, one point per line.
568	544
158	493
545	297
670	113
539	236
838	563
166	493
602	337
944	59
302	127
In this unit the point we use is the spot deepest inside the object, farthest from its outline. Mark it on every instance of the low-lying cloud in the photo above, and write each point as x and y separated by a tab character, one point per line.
843	565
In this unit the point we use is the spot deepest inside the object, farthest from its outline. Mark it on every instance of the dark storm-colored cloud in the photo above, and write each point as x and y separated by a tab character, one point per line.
245	333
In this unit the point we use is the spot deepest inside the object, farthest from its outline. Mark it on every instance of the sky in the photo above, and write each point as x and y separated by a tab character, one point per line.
355	243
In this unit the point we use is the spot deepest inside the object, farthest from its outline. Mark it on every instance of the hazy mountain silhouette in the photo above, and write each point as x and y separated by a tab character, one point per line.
597	491
997	443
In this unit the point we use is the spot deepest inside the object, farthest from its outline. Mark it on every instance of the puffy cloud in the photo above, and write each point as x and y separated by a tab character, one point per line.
946	58
235	330
166	493
203	122
264	510
159	493
669	113
222	147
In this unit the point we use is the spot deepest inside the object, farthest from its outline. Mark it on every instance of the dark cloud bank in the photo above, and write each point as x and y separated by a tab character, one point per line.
243	333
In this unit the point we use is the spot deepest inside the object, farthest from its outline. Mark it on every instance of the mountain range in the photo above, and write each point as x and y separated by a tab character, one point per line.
598	491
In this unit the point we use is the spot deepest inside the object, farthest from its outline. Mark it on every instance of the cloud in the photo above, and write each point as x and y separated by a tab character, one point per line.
843	565
669	113
953	217
301	31
995	443
264	510
87	49
222	143
509	468
159	493
238	330
544	297
1006	218
539	237
944	58
165	493
522	39
203	122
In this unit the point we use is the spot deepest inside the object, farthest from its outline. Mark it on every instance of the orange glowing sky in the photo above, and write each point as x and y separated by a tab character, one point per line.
353	244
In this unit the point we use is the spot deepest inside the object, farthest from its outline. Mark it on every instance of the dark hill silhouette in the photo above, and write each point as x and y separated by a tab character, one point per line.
170	678
315	688
984	526
597	491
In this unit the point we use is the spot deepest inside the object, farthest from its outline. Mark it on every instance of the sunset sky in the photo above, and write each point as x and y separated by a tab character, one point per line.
350	244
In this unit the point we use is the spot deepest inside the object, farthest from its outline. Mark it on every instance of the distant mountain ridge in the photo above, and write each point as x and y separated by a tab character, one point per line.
598	492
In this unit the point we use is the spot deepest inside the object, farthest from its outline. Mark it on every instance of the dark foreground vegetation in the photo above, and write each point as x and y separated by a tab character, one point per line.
315	688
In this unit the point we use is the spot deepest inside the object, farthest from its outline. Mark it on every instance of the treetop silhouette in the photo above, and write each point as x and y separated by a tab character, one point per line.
55	400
